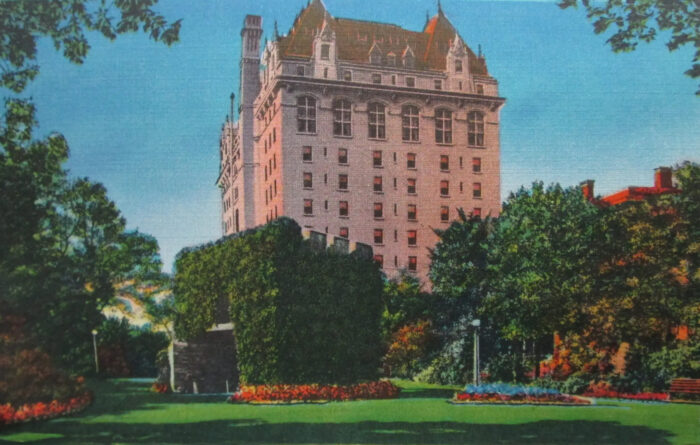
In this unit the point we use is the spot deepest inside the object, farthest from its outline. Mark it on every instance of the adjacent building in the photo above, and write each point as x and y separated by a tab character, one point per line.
362	130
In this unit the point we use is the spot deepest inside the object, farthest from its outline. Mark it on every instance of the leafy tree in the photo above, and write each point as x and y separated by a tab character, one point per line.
641	20
62	242
648	281
405	302
460	275
542	263
459	265
66	22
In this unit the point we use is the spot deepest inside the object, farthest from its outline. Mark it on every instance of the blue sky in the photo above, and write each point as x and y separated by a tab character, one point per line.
144	119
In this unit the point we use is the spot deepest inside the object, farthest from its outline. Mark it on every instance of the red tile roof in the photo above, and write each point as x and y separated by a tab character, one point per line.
354	39
637	194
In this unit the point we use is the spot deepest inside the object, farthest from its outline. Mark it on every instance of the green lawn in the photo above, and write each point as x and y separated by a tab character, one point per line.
126	412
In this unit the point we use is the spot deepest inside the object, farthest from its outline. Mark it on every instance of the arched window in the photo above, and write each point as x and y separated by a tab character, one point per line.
377	121
475	128
306	114
342	116
443	126
409	123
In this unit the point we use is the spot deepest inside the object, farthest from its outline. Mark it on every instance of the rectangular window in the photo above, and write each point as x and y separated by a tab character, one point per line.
377	184
325	205
443	126
342	156
458	66
444	162
343	208
476	165
412	212
409	123
479	88
347	76
411	82
444	188
393	79
306	114
306	154
411	160
476	190
379	259
411	186
377	158
325	51
378	210
376	121
412	263
344	232
300	70
343	182
396	235
308	207
438	84
476	213
308	180
325	73
444	213
412	237
376	78
325	179
378	236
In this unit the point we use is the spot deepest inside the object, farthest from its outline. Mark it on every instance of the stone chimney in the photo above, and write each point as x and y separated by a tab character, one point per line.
587	189
663	177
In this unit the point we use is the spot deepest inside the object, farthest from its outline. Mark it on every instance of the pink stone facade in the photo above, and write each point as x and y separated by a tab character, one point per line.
382	151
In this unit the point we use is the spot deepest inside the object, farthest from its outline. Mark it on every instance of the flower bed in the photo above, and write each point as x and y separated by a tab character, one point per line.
603	390
161	388
314	393
515	394
36	411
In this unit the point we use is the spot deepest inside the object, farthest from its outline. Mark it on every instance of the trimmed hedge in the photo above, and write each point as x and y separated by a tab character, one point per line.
301	314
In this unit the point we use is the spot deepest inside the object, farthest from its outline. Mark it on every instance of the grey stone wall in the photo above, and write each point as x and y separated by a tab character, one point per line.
206	364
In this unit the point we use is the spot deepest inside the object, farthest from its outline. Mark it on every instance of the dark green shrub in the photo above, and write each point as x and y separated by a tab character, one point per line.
653	371
126	350
507	367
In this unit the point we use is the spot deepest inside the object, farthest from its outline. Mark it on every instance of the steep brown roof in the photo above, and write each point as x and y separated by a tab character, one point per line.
354	39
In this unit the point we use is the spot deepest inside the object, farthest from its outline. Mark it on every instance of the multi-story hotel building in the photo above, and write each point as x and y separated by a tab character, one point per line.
362	130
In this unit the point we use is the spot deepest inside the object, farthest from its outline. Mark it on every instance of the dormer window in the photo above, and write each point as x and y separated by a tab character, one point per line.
408	60
375	55
458	66
391	59
325	51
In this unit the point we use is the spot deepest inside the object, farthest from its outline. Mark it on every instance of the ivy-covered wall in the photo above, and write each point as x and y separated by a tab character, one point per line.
301	314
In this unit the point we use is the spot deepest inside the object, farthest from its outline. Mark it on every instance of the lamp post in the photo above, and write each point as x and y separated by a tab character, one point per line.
94	346
477	377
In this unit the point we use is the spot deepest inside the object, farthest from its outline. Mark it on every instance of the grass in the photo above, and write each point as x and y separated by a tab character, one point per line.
126	412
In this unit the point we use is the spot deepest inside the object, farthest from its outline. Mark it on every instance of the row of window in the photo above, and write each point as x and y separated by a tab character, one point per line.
412	262
307	156
378	210
378	184
376	121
